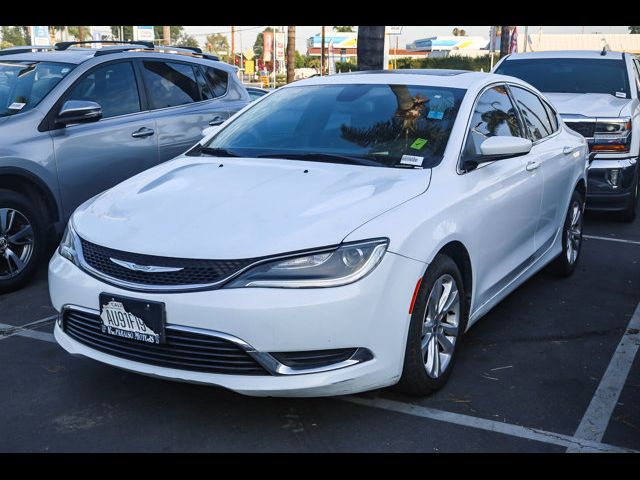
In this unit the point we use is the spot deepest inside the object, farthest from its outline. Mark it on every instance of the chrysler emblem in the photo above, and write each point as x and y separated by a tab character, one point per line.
144	268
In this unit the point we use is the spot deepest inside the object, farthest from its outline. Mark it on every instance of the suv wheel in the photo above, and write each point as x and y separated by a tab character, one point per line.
439	317
22	240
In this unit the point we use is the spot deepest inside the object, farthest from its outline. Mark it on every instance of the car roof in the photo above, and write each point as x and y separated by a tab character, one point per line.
566	54
78	55
427	77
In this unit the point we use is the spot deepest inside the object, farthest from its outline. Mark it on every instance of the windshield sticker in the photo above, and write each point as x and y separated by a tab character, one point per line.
65	70
411	160
435	114
419	143
621	95
16	106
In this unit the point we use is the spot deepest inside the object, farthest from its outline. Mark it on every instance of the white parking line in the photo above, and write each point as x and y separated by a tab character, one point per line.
621	240
596	418
21	331
484	424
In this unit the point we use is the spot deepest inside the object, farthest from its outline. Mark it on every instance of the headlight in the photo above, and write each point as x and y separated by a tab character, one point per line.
67	247
612	135
323	268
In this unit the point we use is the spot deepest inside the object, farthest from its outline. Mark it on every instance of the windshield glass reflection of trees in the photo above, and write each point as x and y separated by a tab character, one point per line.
377	122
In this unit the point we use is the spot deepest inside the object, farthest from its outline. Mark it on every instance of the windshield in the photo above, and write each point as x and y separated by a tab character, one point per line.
571	75
24	84
376	125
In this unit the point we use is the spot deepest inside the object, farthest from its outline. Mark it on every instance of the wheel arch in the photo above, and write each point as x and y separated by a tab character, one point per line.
456	250
25	182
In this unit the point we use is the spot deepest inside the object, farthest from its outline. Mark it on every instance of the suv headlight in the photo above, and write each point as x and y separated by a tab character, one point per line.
612	135
322	268
67	247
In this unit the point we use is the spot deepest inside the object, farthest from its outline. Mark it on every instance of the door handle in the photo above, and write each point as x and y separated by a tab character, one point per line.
532	165
143	132
568	150
215	121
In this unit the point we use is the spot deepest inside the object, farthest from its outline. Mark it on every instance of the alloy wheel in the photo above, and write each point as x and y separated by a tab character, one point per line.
574	233
16	243
440	325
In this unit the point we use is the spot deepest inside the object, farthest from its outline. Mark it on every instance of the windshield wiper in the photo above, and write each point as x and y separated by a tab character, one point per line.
216	152
325	157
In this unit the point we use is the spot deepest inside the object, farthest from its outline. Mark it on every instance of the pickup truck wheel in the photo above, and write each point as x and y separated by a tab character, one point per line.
22	240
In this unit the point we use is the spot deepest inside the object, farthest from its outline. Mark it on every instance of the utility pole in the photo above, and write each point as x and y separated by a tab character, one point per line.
322	55
166	35
504	41
233	45
291	54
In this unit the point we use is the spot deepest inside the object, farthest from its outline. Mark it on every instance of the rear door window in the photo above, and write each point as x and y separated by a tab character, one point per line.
169	84
218	79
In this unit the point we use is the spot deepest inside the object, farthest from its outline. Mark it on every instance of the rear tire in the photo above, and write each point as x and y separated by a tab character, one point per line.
565	263
439	318
22	239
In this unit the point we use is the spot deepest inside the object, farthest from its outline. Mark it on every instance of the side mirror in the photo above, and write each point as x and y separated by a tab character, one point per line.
498	148
209	130
505	146
78	111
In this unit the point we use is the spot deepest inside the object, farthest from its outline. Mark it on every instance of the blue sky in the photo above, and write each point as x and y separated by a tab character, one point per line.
247	34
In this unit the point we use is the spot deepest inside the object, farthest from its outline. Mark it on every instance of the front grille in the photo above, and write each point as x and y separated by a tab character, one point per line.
194	272
314	358
182	350
586	129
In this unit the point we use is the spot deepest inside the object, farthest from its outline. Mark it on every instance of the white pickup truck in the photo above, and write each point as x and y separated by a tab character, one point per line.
597	95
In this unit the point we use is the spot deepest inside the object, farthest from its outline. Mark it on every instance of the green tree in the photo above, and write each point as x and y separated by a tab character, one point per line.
15	36
218	42
634	29
343	28
187	41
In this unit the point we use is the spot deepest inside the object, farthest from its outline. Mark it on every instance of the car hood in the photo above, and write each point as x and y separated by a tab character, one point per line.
588	104
203	207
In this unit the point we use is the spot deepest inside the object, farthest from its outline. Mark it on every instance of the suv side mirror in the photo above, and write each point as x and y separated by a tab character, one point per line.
78	111
498	148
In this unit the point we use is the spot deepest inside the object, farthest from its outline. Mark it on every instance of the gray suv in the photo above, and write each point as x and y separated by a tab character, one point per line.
75	121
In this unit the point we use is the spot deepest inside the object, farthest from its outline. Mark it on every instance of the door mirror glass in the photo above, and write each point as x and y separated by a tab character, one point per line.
505	146
79	111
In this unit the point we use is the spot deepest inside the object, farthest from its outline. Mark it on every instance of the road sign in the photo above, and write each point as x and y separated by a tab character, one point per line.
249	53
143	33
393	30
40	36
249	67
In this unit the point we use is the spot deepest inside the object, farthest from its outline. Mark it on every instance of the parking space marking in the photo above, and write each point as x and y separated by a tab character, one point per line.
24	331
596	419
485	424
621	240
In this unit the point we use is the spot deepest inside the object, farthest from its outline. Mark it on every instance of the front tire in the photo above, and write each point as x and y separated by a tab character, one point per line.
22	240
439	317
629	214
565	263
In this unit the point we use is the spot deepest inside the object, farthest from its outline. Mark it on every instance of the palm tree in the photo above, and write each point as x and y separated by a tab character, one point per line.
291	54
370	47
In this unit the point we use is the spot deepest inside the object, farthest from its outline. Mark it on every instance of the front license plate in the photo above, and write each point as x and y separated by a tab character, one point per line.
134	319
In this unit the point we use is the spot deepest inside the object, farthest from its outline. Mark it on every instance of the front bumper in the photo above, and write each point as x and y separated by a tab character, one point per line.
601	194
370	314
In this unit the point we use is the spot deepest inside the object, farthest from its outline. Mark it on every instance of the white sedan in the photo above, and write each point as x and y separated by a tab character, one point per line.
337	236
